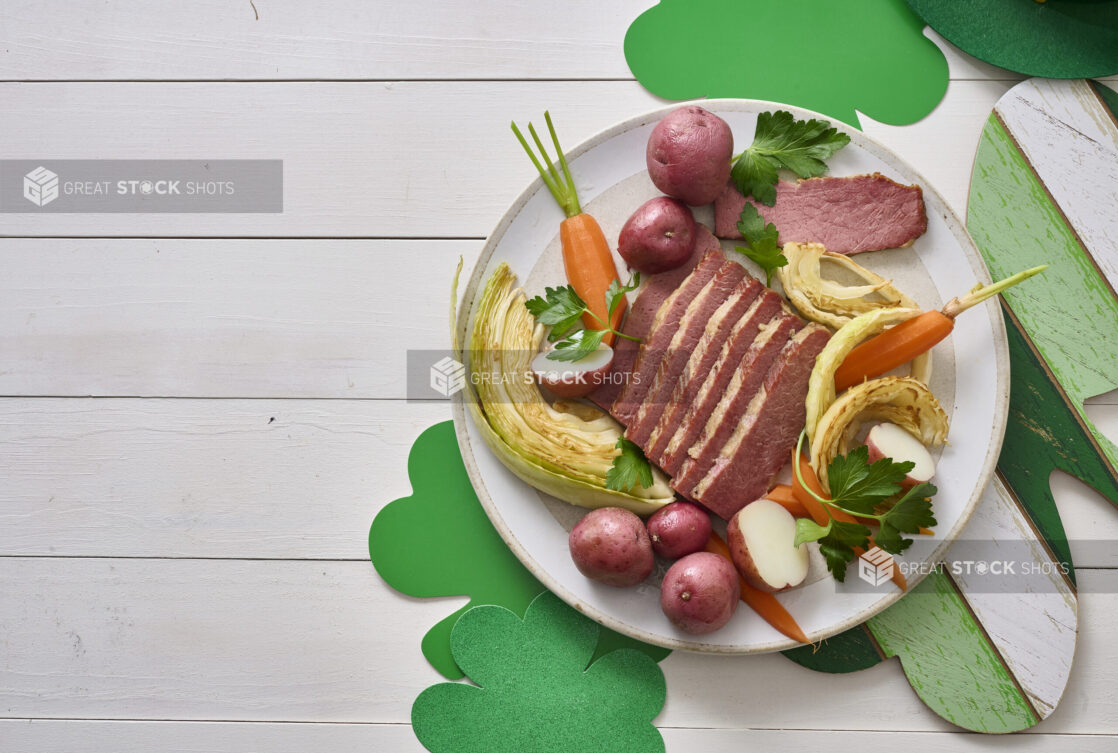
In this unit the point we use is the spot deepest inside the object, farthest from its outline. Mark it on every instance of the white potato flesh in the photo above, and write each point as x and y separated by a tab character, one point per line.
887	440
769	532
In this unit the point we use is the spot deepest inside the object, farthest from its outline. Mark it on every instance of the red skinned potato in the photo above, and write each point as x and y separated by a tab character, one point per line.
700	593
688	155
678	529
610	545
572	379
761	536
891	441
659	236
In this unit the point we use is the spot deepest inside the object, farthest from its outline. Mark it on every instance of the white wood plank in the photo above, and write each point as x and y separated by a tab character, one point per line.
202	478
52	736
218	478
221	318
213	39
285	39
376	159
327	641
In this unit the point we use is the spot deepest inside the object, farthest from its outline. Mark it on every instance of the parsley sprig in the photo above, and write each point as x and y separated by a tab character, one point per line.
865	490
761	242
629	468
562	309
781	141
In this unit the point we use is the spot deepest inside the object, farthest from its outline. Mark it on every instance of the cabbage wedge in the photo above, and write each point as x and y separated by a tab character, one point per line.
565	449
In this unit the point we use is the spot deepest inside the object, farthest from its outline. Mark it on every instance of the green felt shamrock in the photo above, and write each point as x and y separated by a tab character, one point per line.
439	542
534	690
835	58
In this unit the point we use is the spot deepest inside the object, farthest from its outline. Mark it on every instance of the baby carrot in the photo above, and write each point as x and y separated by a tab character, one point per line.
900	344
784	496
761	602
587	259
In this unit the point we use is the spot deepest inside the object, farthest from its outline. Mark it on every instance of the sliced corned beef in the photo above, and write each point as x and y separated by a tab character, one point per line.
711	369
661	331
763	356
654	291
706	323
743	468
847	215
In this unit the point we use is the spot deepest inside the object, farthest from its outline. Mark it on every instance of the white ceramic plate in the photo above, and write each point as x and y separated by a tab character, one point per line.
609	170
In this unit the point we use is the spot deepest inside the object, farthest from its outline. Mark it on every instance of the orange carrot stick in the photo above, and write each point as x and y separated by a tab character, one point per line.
819	515
761	602
586	254
900	344
590	269
784	496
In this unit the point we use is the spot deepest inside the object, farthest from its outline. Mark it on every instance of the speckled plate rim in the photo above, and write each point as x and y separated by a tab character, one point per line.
933	202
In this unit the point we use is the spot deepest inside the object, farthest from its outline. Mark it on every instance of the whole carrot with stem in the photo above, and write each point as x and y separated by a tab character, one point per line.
587	259
903	342
761	602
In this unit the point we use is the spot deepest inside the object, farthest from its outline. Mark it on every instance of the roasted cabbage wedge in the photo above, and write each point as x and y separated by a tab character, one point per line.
904	401
564	449
827	301
821	385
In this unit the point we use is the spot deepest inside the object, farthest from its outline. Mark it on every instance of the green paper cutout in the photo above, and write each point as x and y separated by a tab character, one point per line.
834	58
439	542
1055	39
534	690
850	651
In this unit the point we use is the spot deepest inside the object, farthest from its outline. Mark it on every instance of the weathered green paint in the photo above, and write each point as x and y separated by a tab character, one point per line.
1069	313
949	660
849	651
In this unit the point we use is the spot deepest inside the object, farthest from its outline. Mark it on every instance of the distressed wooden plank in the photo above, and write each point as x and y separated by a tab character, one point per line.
52	736
285	39
1070	139
1032	624
328	641
221	318
442	175
202	478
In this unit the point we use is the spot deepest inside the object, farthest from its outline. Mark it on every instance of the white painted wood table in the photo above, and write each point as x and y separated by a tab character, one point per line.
201	414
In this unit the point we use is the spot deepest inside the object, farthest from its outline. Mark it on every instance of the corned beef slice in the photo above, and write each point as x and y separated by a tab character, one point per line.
732	289
717	426
660	333
763	440
686	413
654	291
847	215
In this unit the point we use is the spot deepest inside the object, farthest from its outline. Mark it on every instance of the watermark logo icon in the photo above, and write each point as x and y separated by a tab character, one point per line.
875	566
40	186
448	376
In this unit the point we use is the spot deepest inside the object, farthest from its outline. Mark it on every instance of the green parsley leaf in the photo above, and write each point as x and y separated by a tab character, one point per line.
629	468
857	486
781	141
615	293
577	346
560	308
838	555
909	514
761	240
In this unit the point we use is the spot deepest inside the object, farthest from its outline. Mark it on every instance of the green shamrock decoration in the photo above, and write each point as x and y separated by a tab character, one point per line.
439	542
534	689
835	58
